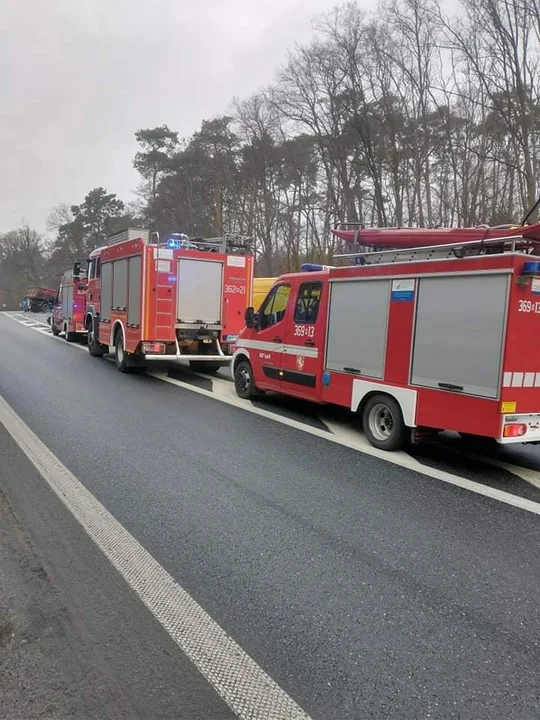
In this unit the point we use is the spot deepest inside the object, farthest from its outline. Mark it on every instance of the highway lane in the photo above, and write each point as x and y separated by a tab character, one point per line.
362	588
512	468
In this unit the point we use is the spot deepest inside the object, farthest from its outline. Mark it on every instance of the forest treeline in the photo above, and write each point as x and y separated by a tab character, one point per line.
403	116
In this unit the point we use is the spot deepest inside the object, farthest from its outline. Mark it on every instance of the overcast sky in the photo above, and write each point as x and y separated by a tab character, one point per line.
79	77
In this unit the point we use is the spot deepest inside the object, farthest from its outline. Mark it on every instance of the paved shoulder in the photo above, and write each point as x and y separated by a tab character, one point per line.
75	642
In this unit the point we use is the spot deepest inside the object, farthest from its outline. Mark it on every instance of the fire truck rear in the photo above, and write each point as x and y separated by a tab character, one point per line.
180	299
68	315
414	341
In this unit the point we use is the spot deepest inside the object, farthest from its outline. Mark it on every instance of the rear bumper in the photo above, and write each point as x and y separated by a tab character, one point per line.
529	427
222	360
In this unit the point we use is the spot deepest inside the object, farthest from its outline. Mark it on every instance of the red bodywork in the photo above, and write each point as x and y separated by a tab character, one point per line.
425	237
299	356
69	311
144	287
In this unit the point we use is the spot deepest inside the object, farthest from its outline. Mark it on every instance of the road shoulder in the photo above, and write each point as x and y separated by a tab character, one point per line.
74	640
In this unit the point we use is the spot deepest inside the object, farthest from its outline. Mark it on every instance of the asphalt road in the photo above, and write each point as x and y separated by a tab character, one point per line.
364	589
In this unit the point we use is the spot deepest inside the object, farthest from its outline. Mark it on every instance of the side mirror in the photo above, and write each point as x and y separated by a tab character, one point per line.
250	318
81	286
76	268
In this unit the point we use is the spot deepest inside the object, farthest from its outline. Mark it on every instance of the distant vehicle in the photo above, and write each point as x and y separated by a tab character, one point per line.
167	300
261	286
39	299
69	312
414	341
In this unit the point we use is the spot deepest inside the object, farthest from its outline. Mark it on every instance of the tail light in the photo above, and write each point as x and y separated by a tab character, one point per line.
514	430
153	348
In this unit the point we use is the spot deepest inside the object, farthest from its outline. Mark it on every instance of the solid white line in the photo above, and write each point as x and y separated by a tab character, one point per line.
400	459
224	392
528	474
243	685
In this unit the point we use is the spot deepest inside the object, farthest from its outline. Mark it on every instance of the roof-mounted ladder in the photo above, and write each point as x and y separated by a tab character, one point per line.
491	246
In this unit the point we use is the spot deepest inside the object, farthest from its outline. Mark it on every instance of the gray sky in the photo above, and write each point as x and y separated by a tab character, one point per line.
79	77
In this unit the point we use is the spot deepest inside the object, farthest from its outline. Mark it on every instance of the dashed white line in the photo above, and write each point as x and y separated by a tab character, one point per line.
236	677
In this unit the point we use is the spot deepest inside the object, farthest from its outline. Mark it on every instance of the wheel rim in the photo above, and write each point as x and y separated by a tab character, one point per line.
244	379
381	422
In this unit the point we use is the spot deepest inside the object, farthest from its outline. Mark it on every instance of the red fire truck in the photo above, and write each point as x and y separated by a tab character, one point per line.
180	299
69	312
413	340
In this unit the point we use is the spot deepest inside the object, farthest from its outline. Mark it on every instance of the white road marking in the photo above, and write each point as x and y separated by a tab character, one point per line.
528	474
223	391
243	685
401	459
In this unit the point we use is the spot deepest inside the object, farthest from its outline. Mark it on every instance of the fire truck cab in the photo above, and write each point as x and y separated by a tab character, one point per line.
69	311
180	299
414	341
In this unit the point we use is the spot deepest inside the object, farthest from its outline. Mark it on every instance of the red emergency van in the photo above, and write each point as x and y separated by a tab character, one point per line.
415	341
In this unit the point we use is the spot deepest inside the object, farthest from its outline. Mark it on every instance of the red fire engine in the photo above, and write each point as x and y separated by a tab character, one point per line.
180	299
69	312
413	340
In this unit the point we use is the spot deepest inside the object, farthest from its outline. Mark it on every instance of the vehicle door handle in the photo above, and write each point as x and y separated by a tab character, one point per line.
309	343
277	339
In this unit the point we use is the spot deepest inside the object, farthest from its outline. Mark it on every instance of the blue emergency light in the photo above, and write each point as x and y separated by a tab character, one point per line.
311	267
531	268
177	241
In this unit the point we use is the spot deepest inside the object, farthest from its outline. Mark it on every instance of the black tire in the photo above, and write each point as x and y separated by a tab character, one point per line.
55	331
244	383
70	336
45	307
95	348
383	423
120	356
202	366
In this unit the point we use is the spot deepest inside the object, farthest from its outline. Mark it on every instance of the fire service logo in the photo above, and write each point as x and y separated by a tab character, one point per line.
300	362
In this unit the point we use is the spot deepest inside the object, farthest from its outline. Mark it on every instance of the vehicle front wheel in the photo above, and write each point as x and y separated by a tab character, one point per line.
243	380
55	331
383	423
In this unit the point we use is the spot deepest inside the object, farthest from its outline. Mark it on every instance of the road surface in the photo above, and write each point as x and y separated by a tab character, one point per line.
227	559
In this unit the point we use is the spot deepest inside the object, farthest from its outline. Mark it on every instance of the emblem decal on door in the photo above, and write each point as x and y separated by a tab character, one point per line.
300	362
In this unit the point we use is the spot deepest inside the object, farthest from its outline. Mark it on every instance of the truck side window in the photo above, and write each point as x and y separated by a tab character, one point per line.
98	267
307	303
91	269
275	306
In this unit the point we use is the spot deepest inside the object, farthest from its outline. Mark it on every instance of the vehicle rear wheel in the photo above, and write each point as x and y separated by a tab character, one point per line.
70	336
45	307
121	358
383	423
95	348
243	380
202	366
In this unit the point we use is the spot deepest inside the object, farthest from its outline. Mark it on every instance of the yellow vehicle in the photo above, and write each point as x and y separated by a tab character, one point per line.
261	286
